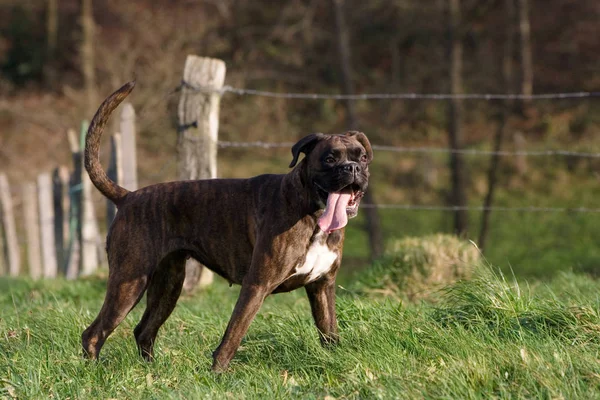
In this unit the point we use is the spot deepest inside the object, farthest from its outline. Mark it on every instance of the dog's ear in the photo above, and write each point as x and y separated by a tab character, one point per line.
305	145
362	139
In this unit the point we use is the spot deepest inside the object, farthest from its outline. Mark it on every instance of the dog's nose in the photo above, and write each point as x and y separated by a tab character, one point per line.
352	167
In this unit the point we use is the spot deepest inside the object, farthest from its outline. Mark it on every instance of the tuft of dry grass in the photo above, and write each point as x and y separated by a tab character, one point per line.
416	267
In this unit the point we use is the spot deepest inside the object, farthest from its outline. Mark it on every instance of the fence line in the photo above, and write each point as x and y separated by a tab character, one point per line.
388	96
64	244
438	150
223	144
60	214
533	209
16	190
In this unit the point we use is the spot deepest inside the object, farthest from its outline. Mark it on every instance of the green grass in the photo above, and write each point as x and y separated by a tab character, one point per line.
487	338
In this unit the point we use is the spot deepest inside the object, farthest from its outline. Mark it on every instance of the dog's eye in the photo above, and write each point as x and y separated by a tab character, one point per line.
330	160
363	158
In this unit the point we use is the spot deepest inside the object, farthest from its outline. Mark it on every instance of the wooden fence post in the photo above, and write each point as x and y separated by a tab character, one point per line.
10	233
60	191
74	249
89	227
46	205
115	172
198	117
129	160
32	230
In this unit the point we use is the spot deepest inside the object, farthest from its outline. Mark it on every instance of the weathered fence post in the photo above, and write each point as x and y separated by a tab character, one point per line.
114	172
46	205
89	227
32	230
60	190
13	257
74	249
198	116
129	161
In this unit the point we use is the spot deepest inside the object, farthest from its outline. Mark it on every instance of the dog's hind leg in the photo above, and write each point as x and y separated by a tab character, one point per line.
124	290
163	292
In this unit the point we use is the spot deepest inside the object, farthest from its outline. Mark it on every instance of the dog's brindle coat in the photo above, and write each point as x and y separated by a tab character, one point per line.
260	232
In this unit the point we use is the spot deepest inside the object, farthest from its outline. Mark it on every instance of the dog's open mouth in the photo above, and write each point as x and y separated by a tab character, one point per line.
341	205
355	197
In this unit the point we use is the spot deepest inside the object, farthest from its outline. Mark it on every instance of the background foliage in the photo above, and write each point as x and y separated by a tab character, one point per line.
397	46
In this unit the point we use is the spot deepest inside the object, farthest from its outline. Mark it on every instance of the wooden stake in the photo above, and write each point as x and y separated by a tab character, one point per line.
60	191
74	249
13	256
198	116
129	160
46	205
89	227
115	172
32	229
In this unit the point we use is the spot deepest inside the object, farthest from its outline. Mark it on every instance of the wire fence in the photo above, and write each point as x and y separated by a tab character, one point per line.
404	96
423	150
95	201
389	96
434	150
532	209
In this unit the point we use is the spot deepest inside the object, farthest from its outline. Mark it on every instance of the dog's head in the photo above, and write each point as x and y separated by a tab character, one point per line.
336	172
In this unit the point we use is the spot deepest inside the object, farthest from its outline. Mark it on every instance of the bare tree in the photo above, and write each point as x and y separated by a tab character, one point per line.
373	222
525	51
455	114
503	115
51	41
88	65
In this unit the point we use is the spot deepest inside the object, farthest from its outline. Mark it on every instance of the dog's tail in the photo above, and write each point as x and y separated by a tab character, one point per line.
99	178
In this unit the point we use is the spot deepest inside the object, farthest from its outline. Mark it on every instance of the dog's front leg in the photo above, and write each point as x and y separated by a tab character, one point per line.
321	295
246	308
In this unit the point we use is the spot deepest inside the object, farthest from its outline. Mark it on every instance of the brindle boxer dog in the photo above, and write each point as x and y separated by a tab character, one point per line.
270	234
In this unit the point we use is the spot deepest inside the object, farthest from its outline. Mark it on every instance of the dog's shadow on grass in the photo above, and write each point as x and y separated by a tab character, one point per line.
286	351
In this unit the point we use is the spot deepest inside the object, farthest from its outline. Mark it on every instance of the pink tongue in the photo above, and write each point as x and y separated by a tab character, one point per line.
335	216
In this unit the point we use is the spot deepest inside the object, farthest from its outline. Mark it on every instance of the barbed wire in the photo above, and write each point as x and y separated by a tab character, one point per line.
532	209
387	96
439	150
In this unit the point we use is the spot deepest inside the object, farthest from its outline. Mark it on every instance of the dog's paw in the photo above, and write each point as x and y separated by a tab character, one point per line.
218	368
330	341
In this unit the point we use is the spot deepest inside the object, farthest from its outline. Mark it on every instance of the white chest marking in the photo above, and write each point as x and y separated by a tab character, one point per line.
318	261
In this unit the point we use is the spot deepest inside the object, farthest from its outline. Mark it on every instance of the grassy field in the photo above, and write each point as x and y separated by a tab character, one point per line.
484	338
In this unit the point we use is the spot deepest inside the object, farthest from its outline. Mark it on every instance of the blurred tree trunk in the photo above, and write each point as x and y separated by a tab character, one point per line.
525	53
455	114
503	115
88	66
344	52
51	42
